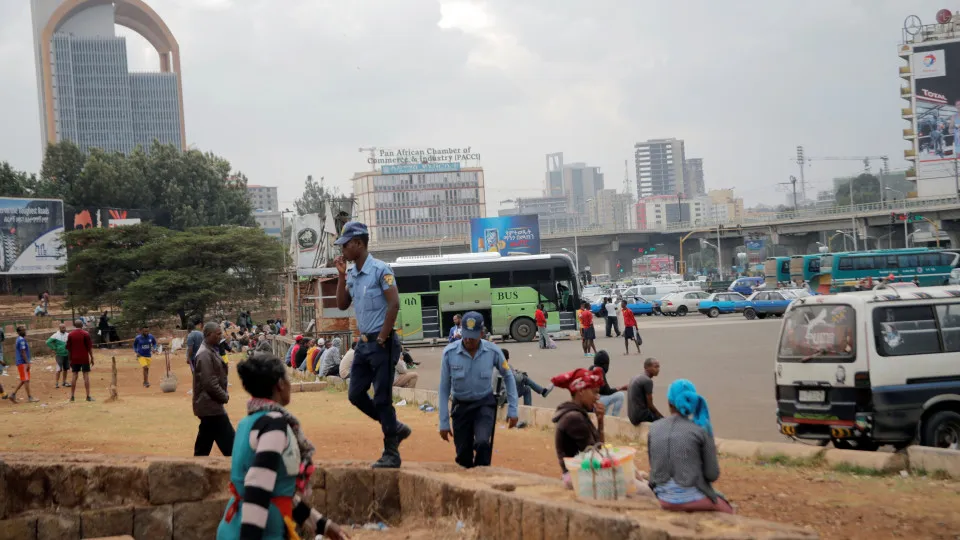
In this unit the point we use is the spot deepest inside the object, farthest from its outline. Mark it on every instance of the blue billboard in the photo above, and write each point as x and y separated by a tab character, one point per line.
507	235
408	168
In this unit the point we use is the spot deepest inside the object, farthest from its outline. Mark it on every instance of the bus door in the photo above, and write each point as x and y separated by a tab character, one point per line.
410	321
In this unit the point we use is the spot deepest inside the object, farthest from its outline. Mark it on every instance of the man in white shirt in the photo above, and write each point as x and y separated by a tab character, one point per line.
612	320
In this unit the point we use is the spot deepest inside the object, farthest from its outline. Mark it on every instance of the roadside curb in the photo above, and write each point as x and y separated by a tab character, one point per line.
917	459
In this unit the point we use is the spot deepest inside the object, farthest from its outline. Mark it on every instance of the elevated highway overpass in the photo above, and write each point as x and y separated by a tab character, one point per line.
787	233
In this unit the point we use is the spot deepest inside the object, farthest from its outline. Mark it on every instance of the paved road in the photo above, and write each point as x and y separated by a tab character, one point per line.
729	358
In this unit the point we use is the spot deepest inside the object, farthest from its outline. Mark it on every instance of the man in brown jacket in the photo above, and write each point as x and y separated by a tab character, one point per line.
210	395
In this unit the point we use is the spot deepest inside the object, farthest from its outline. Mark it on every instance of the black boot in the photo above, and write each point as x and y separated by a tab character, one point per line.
391	454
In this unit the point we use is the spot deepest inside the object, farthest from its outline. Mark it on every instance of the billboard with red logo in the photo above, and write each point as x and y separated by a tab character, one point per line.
88	218
936	95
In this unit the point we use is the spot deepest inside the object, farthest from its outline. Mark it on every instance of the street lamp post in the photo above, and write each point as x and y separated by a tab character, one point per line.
845	236
441	245
906	234
576	247
576	258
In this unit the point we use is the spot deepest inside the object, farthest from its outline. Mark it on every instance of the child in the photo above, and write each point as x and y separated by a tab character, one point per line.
587	332
23	365
630	330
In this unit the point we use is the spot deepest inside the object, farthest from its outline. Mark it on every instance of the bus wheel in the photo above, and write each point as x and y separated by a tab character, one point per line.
942	430
750	314
523	330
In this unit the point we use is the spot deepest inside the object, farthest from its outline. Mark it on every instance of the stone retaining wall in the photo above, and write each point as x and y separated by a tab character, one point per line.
69	497
918	459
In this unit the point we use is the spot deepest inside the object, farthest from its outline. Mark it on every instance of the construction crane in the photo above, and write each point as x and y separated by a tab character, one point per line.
803	160
373	156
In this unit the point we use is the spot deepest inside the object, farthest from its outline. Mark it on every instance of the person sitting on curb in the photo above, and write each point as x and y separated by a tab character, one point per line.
575	432
612	398
683	455
640	407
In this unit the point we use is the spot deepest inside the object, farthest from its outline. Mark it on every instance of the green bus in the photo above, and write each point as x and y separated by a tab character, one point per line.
776	270
804	267
844	271
506	290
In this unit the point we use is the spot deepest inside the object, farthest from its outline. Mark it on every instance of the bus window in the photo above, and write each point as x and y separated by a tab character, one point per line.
929	259
946	259
863	263
530	278
419	283
892	262
879	262
785	267
813	265
845	263
908	261
497	279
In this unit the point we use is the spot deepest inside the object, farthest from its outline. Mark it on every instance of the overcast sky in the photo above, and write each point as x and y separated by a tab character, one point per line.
287	93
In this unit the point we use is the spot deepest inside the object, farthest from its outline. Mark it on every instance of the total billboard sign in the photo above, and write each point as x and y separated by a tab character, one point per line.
929	64
506	235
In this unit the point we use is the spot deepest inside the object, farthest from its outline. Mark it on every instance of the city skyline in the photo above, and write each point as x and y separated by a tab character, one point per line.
743	100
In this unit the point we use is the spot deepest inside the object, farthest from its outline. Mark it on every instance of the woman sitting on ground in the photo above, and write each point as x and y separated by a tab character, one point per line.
683	456
575	432
272	462
330	359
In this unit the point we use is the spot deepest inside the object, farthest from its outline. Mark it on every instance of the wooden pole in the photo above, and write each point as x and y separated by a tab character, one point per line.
113	380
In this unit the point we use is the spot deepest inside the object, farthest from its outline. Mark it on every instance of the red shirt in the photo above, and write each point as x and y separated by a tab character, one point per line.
79	346
541	318
628	318
586	318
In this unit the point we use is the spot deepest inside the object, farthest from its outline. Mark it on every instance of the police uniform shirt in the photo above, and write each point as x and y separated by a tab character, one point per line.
470	378
366	287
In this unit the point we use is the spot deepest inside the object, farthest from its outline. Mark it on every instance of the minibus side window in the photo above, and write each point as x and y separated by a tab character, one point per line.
949	315
906	330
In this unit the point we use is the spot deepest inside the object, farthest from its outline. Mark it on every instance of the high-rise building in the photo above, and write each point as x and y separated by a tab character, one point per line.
263	198
613	211
419	205
85	90
693	184
659	164
270	222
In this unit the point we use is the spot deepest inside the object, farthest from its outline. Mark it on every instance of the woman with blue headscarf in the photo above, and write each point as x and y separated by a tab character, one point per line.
683	455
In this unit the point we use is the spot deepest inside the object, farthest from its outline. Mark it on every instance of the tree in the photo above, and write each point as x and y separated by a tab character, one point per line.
866	189
14	183
156	273
315	198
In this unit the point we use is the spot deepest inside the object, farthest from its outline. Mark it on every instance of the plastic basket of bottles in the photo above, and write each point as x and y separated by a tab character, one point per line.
603	472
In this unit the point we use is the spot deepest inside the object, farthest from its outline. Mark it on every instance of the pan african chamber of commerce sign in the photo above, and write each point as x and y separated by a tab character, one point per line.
30	236
399	160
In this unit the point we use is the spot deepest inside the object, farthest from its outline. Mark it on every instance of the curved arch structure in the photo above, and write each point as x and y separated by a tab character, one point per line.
133	14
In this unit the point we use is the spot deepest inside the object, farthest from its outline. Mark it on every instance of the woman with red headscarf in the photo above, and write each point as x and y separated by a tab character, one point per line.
575	432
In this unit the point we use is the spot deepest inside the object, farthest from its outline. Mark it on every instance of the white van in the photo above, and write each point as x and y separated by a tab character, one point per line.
864	369
654	291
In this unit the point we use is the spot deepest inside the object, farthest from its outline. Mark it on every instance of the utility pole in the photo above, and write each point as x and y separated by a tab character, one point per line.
792	182
801	161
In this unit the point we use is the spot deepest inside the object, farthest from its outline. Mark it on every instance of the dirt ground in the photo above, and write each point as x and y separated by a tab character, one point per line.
147	421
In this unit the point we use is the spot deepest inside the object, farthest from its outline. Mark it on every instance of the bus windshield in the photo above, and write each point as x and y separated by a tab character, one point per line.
818	333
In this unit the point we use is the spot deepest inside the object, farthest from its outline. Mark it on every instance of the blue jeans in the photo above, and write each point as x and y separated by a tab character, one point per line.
525	389
613	403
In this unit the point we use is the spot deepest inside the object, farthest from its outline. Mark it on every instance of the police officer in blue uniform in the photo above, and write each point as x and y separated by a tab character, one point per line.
467	371
370	286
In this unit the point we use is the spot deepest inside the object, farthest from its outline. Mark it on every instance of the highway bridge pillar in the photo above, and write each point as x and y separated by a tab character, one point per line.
952	228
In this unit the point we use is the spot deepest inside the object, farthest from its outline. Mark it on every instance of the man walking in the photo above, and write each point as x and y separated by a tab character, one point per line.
611	318
630	330
24	359
58	344
80	349
210	395
193	343
143	346
541	318
372	290
587	332
466	371
640	407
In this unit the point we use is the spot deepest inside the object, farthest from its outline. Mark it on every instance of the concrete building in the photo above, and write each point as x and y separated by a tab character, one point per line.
419	205
723	206
85	90
693	184
553	214
613	211
263	198
270	222
659	210
659	164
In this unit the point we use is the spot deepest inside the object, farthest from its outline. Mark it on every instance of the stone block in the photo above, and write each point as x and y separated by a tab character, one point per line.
386	494
68	484
124	537
426	396
409	394
176	481
422	495
106	522
319	478
741	449
58	525
18	528
4	492
531	520
510	513
110	485
350	494
313	386
458	501
931	460
543	417
556	521
198	520
153	522
318	500
31	485
525	414
587	525
488	513
791	450
877	461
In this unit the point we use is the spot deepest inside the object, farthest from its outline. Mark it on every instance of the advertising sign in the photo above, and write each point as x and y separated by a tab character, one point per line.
936	70
30	240
311	243
88	218
420	168
754	245
507	235
464	156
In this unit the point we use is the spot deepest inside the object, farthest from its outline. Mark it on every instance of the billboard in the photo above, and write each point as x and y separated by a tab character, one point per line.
312	242
507	235
96	218
30	240
936	94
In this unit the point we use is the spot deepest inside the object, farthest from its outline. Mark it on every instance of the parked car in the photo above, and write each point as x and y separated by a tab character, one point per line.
679	304
637	304
722	302
767	303
954	277
745	285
